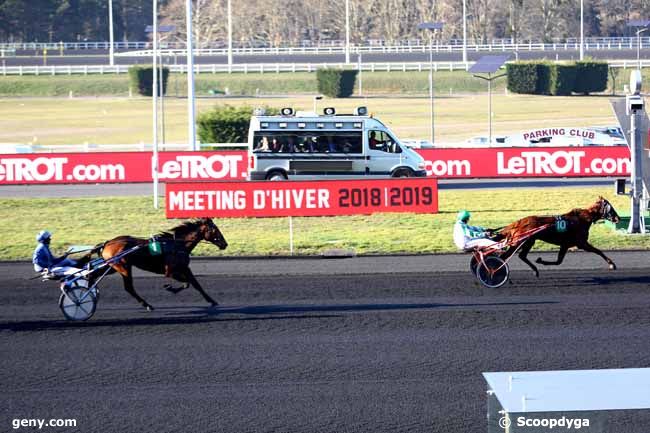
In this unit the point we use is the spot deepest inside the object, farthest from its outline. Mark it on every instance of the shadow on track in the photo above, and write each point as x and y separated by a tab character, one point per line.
201	315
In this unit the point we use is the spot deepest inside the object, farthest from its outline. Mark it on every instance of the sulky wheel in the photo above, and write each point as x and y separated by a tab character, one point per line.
493	272
77	303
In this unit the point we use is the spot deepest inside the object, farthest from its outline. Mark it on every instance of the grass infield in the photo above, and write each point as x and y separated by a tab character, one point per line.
110	120
89	221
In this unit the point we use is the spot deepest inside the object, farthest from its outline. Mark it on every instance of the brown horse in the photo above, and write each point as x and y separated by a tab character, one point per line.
568	230
172	260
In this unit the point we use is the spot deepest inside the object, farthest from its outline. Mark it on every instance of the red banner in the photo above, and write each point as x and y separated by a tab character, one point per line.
528	162
120	167
306	198
129	167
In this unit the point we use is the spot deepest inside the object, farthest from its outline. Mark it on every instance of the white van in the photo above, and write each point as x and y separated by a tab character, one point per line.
329	146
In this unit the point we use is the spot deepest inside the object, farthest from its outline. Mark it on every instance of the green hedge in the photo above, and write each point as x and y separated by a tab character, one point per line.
226	124
141	79
563	79
545	78
522	77
591	76
336	83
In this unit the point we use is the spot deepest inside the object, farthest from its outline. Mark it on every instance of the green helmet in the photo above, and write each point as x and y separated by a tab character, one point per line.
463	215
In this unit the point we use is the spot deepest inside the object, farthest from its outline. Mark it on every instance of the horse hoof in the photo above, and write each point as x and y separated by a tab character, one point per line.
538	260
214	304
612	267
148	307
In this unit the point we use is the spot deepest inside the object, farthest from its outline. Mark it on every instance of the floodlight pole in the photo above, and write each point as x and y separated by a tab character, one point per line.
154	97
582	31
191	131
347	32
431	85
489	80
229	36
638	46
111	51
465	31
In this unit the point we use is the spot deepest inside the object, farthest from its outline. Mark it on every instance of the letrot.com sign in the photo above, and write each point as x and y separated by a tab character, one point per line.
311	198
120	167
126	167
528	162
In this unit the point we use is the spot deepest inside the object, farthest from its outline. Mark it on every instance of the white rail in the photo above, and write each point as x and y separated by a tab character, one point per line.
594	43
14	148
264	68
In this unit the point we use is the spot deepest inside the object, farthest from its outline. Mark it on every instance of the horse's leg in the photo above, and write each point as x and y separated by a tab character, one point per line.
560	257
585	245
189	276
127	278
175	290
523	255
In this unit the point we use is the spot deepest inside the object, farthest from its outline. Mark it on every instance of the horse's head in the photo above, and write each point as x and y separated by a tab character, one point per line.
212	234
606	210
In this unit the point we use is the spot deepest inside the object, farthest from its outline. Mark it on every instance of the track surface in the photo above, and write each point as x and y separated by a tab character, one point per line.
312	345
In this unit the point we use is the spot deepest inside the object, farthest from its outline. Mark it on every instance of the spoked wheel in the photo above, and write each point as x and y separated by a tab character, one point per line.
77	303
473	264
493	272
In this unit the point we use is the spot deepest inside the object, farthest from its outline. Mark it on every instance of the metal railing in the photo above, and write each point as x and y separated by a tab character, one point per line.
591	42
264	68
15	148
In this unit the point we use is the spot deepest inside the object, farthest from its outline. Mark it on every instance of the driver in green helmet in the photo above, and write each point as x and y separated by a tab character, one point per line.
467	237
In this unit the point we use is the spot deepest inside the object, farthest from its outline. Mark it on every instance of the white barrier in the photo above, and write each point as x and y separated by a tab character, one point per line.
265	68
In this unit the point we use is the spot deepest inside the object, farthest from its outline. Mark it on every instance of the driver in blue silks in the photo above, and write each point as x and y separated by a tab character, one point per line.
44	259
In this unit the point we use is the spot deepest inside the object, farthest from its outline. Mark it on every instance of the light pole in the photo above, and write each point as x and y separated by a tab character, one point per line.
191	128
433	27
111	51
642	26
489	65
582	30
229	36
317	98
465	31
347	32
154	97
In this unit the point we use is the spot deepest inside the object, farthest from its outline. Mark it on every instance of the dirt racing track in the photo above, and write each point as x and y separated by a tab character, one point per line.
371	344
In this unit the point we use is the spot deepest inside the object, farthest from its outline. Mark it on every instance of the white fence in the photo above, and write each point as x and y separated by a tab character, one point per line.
13	148
594	43
265	68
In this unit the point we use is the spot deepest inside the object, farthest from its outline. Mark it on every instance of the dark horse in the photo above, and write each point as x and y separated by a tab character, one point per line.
573	232
172	260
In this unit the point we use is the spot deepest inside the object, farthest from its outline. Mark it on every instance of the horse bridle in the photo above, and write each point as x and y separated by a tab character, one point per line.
605	209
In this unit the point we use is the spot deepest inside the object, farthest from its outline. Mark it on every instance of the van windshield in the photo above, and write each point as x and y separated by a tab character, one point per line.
308	141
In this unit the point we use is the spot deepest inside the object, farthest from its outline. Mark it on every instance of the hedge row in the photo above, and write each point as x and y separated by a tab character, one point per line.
336	83
226	124
545	78
141	79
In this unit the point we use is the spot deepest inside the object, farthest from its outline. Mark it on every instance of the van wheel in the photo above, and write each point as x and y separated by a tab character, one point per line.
276	175
403	172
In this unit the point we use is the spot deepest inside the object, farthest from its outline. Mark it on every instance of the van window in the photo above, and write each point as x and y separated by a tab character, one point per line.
307	142
382	141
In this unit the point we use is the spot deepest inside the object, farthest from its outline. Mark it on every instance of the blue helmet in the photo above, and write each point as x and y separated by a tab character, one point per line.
463	215
43	235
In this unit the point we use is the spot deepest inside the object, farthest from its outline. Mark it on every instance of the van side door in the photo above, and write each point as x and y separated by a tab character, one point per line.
383	153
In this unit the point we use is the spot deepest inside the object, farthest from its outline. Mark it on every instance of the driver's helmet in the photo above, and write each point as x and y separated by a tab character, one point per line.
43	235
463	216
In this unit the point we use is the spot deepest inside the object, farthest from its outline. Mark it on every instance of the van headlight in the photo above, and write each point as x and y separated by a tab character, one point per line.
421	165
